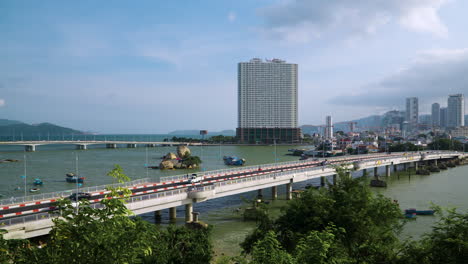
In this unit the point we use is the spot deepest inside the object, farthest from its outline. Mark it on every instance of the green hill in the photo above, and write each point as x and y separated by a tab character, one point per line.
7	122
37	129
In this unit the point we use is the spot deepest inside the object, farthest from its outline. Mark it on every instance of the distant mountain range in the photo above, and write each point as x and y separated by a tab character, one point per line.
197	132
13	127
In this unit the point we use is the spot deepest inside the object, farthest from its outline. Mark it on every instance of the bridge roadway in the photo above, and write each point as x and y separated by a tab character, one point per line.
49	205
15	214
31	145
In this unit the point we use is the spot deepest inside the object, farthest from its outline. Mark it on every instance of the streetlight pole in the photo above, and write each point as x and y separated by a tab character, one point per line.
25	175
77	184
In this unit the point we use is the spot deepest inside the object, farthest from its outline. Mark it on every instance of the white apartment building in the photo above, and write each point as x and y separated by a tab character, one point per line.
267	94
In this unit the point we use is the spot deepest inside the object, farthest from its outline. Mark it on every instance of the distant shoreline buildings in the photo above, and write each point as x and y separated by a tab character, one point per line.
267	102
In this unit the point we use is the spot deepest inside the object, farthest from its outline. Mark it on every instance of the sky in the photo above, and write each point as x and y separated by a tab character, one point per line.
158	66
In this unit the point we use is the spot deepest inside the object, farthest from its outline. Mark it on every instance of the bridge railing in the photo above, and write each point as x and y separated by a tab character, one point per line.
251	168
47	215
66	193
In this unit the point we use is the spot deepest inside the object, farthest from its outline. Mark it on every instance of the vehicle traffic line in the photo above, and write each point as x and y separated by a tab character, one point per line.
29	212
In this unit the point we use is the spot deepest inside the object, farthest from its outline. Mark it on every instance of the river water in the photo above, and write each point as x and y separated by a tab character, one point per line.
51	163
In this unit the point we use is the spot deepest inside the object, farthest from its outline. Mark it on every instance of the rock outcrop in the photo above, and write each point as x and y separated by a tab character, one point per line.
182	151
183	160
166	164
170	156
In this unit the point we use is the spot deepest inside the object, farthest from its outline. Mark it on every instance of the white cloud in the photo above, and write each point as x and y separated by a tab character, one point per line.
231	16
303	20
2	102
432	74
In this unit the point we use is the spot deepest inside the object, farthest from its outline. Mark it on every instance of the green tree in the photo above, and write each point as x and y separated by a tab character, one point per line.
370	222
269	250
447	243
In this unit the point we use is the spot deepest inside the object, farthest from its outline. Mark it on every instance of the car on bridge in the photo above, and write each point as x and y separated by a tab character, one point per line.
79	196
194	178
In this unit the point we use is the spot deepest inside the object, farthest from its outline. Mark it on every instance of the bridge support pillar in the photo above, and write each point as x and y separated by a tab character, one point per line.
274	192
30	148
195	216
322	181
131	145
111	146
289	191
188	213
364	173
387	170
416	165
172	214
405	166
81	146
376	172
334	179
435	162
157	217
150	145
395	168
260	193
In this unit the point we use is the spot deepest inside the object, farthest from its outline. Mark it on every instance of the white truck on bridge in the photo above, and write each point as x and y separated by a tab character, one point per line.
194	178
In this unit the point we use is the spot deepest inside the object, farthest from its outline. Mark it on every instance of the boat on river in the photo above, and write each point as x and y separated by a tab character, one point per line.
419	212
34	190
410	215
72	177
232	160
38	182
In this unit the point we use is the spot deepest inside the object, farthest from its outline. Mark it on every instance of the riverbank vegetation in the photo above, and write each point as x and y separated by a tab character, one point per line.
348	223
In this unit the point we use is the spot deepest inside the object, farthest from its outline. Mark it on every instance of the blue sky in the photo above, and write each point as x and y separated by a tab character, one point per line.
158	66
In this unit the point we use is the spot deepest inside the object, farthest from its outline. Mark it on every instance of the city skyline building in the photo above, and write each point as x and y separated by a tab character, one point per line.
328	128
443	117
412	112
267	101
455	111
435	114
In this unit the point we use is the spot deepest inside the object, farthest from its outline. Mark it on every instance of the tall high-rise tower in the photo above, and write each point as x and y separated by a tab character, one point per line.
412	112
443	117
267	101
456	111
435	115
328	128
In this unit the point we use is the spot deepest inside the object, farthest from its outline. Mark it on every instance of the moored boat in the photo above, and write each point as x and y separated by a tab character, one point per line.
71	177
410	216
419	212
34	190
232	160
38	182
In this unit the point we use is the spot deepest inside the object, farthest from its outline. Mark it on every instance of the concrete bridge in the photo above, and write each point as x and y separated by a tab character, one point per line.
26	217
31	145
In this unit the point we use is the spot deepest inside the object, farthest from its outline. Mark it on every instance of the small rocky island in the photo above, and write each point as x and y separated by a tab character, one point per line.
182	160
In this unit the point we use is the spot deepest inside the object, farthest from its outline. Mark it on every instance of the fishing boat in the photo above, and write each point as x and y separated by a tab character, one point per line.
419	212
232	160
38	182
34	190
410	216
72	177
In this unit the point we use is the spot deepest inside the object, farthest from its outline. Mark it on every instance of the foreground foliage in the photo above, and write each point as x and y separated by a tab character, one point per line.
348	223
